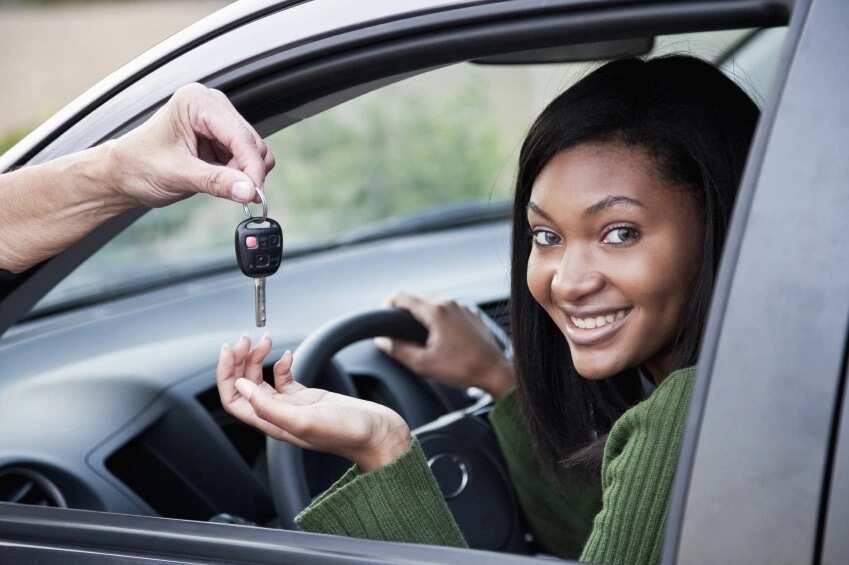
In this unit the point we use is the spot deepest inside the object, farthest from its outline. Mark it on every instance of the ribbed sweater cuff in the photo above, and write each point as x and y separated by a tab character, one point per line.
398	502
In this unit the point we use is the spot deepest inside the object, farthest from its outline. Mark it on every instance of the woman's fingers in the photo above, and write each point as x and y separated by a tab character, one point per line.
240	361
243	410
253	363
280	420
224	375
284	379
408	353
240	354
421	309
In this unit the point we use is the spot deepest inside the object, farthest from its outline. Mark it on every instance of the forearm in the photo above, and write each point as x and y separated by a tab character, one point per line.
48	207
388	449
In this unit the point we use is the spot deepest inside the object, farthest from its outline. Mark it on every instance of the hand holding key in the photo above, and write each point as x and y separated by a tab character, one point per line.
369	434
259	251
196	142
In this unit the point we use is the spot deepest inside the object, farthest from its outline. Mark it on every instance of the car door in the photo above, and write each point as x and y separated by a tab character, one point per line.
758	466
315	71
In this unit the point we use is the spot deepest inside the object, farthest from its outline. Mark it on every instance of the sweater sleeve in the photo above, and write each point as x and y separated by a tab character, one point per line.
402	502
398	502
560	514
639	464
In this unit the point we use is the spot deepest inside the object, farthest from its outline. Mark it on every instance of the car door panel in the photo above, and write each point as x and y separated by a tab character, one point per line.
754	490
60	536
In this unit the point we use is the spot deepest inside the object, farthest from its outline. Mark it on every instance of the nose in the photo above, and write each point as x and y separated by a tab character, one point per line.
575	277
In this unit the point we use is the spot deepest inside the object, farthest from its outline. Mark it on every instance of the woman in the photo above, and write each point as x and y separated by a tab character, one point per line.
625	188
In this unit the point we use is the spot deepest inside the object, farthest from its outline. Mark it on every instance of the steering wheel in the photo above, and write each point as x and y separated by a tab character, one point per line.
461	447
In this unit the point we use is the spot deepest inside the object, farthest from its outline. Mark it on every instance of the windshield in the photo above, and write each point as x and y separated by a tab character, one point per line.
420	147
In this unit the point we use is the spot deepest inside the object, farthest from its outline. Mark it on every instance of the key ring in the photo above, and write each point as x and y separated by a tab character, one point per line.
264	206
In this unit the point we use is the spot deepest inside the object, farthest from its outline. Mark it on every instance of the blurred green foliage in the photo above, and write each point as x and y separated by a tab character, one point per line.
8	139
397	155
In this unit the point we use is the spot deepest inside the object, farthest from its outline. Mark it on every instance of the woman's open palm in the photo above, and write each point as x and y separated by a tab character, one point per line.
365	432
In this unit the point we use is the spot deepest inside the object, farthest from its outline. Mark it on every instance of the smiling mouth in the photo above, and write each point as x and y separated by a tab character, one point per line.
590	330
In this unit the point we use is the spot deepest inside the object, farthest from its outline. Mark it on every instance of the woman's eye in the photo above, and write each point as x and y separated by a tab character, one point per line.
545	238
621	236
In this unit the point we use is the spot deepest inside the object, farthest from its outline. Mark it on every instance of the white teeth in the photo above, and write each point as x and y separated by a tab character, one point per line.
598	321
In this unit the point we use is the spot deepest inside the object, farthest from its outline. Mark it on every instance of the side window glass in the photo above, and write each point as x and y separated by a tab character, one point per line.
441	139
755	62
444	138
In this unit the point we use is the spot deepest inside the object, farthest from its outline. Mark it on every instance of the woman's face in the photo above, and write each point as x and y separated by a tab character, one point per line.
614	255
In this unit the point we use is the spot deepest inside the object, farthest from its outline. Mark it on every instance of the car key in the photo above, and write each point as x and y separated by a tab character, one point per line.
259	251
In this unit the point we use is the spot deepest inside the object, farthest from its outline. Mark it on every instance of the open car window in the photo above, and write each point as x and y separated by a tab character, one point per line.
364	164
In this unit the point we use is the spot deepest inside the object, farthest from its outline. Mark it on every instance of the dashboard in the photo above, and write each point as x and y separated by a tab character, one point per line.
113	407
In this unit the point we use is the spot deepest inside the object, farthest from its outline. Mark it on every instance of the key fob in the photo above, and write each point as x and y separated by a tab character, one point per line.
259	247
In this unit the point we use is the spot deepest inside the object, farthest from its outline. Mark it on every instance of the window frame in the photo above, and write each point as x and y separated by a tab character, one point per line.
339	55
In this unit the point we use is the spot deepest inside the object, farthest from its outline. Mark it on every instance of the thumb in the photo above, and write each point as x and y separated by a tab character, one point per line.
260	400
407	353
289	418
220	181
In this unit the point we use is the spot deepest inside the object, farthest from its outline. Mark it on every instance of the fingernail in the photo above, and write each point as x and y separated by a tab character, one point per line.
243	191
383	343
266	335
245	387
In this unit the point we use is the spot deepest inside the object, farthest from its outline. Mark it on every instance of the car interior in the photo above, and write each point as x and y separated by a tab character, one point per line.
136	423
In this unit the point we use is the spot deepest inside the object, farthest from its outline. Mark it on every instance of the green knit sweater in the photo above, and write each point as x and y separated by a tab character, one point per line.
621	522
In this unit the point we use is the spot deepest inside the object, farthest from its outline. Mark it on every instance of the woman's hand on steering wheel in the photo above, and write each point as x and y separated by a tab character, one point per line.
369	434
460	350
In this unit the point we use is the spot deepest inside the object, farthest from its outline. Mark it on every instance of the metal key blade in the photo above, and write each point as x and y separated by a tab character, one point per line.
259	299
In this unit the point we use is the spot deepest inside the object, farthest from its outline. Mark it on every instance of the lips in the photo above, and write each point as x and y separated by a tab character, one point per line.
597	326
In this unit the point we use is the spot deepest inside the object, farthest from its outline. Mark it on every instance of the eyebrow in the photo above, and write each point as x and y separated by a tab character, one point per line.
611	201
595	208
536	209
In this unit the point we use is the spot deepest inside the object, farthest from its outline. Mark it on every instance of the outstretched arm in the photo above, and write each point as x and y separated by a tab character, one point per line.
390	494
197	142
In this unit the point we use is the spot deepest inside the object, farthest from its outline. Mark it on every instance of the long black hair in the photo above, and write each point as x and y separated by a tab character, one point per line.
697	125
